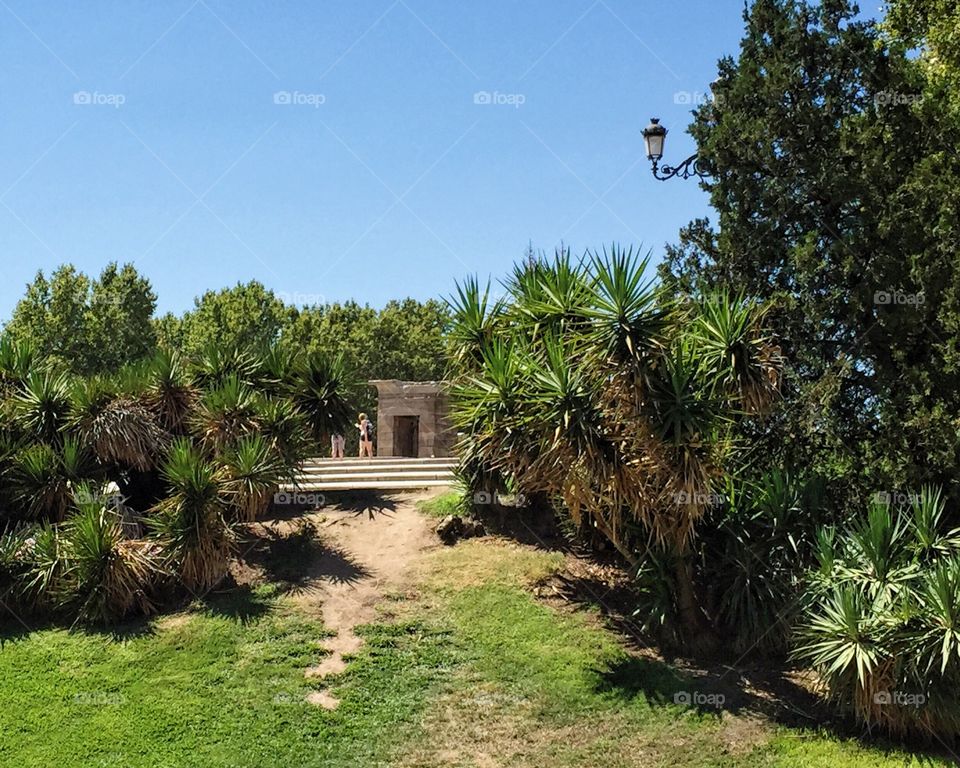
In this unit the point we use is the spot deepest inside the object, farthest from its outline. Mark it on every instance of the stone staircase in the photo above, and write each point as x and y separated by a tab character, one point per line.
386	473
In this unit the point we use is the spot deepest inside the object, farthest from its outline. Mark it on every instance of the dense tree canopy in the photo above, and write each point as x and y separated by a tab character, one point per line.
87	324
837	188
247	314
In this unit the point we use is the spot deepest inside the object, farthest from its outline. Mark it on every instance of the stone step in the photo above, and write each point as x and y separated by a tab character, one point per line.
380	473
388	460
384	484
374	475
377	468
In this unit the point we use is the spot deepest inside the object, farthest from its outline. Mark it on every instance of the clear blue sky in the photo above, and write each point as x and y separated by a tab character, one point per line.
383	178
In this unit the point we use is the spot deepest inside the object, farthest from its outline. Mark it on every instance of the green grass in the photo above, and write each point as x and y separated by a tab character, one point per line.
209	689
474	670
447	503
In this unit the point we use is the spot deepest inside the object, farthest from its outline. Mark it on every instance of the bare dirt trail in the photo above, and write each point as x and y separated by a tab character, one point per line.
369	549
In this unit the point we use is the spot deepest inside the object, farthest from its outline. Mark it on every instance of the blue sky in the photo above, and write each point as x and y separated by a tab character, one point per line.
336	150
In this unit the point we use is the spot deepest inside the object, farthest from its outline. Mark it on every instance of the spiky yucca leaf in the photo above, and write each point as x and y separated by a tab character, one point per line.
253	474
42	405
321	387
119	428
169	392
192	523
107	576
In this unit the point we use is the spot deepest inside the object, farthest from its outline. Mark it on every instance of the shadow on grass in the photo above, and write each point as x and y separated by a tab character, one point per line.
240	602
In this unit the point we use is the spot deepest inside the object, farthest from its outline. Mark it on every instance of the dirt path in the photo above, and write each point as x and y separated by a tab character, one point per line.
367	552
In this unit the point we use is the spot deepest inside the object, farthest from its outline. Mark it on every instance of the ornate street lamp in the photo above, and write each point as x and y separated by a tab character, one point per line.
654	136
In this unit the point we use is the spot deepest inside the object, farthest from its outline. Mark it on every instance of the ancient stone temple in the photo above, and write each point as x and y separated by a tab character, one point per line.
412	419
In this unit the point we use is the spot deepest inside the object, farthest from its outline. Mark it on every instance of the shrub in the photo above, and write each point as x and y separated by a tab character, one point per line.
106	576
192	523
882	625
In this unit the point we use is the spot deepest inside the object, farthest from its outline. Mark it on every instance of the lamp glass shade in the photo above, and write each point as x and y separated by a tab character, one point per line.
654	136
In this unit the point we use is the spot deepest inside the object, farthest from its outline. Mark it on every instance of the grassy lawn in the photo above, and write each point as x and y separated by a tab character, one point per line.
471	670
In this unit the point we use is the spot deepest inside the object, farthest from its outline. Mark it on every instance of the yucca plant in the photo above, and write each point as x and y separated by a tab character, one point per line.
13	566
45	560
275	369
17	360
118	427
41	406
168	390
321	383
253	474
284	428
882	625
192	524
217	363
590	385
476	322
225	413
756	546
107	576
42	478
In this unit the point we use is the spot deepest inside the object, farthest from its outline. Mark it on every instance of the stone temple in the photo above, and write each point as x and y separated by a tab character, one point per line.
413	419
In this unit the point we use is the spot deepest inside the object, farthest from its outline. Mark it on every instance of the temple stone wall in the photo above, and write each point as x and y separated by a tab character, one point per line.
425	400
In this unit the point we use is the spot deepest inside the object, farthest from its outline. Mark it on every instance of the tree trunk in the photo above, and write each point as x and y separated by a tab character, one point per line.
698	634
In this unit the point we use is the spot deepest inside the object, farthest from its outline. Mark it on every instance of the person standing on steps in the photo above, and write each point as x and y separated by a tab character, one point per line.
336	445
366	436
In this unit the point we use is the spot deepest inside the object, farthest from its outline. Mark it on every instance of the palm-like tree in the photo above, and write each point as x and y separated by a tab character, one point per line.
590	386
883	616
193	523
254	471
17	360
168	390
41	406
319	388
43	478
225	413
107	576
118	427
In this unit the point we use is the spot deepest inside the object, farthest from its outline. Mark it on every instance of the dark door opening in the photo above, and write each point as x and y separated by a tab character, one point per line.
406	436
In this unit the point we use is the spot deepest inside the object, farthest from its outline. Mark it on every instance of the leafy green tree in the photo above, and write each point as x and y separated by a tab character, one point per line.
87	325
934	27
247	316
837	188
